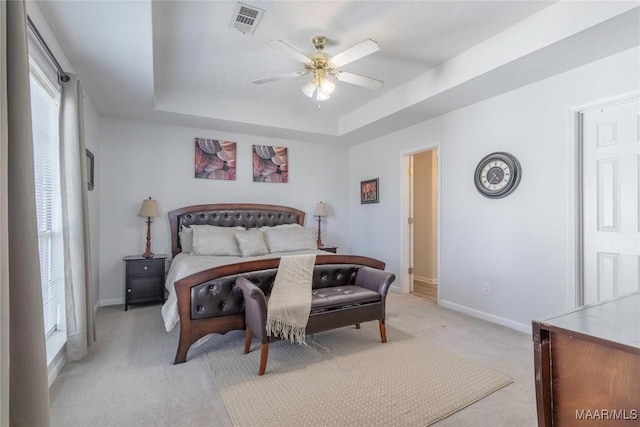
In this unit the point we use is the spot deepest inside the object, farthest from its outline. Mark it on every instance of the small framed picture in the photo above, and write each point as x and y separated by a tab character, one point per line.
369	191
90	168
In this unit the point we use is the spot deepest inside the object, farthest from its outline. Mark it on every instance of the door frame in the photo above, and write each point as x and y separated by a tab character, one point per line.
575	288
406	229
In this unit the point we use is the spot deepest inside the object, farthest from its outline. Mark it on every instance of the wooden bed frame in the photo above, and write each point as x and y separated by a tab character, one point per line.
231	215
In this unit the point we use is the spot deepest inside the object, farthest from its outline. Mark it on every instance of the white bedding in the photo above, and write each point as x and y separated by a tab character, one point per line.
184	265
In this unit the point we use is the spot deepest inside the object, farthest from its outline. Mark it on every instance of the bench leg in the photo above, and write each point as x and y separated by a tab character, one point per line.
264	355
247	340
357	325
383	331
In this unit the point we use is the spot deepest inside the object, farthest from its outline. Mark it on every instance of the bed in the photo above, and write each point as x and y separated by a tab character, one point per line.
202	296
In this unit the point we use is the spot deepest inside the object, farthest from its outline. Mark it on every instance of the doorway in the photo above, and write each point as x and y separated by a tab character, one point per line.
609	180
422	222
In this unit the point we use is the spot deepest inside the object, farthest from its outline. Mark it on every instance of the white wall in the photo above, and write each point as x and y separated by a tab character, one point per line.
140	159
519	244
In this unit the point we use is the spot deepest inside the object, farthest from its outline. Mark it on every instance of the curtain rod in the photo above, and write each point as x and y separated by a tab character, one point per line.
63	76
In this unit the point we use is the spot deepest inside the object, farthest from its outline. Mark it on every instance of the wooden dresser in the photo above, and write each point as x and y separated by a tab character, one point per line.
587	365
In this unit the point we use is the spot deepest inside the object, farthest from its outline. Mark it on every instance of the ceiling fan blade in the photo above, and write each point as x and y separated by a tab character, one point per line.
279	77
356	52
357	79
291	51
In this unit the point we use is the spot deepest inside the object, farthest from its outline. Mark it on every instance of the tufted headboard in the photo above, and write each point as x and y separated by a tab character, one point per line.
248	215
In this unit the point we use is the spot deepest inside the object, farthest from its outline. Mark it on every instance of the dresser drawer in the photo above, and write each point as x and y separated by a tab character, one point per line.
145	267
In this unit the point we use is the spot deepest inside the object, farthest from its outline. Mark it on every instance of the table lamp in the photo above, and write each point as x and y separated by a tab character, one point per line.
321	210
149	210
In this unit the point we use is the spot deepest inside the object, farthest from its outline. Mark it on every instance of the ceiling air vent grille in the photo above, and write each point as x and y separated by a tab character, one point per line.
246	18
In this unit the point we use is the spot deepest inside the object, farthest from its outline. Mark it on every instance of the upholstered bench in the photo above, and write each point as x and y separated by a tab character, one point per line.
342	295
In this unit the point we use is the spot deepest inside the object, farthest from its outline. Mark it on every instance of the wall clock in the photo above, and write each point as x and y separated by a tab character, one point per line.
497	175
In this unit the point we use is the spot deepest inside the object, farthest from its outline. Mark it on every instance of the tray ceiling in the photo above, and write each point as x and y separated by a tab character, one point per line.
181	62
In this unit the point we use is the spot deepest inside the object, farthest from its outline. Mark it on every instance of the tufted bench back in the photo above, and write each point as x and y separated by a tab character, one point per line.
221	296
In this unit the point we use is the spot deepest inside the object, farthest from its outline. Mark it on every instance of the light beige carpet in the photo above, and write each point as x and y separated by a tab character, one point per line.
347	377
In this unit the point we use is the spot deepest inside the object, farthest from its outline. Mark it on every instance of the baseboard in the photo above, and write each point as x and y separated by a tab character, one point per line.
425	280
56	365
111	301
521	327
395	288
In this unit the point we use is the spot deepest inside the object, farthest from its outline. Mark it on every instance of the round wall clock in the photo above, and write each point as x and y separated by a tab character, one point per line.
497	175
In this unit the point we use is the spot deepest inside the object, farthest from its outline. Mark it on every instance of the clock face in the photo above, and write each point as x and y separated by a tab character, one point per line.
497	175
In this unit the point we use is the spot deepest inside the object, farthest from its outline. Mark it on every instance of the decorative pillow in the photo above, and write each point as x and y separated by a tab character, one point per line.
186	240
251	243
213	240
288	238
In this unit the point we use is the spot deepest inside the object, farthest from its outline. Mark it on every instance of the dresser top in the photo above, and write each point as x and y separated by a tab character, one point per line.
616	321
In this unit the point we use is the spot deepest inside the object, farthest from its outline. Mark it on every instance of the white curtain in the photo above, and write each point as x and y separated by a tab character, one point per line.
24	391
75	218
4	226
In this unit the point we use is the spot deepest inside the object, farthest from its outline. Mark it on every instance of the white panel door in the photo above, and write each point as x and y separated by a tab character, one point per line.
611	201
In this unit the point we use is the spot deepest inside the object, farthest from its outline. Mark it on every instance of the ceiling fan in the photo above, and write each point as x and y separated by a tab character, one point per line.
321	66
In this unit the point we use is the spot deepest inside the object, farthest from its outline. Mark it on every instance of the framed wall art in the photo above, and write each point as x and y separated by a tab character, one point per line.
90	169
270	164
369	191
215	159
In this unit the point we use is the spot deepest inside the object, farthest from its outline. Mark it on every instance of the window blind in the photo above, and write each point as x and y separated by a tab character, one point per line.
45	106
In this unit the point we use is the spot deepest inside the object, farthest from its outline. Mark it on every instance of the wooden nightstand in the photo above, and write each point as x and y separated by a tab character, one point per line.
328	248
143	279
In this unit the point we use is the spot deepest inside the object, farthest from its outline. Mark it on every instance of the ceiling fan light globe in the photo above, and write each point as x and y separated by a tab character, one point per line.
326	87
309	88
321	96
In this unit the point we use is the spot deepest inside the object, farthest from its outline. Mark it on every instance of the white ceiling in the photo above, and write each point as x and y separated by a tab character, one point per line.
181	62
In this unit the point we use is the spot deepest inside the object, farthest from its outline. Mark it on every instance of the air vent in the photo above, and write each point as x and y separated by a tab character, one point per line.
246	18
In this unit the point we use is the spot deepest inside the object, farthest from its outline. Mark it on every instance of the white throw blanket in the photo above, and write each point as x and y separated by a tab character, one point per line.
290	302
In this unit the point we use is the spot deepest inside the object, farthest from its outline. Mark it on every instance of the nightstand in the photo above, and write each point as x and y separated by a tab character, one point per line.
328	248
143	279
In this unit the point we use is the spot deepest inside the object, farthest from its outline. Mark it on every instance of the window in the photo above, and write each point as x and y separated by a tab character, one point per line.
45	106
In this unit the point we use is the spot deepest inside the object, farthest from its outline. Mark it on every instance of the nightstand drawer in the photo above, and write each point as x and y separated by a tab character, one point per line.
145	267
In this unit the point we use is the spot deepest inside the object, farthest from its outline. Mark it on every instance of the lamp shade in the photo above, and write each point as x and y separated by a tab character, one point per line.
149	208
321	210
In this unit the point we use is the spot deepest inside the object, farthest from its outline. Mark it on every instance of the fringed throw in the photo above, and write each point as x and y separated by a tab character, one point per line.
290	301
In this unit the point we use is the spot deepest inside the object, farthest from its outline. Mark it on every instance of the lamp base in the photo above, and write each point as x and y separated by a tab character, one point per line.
319	240
147	253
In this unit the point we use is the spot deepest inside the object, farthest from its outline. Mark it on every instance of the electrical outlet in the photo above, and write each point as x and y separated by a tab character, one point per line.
486	289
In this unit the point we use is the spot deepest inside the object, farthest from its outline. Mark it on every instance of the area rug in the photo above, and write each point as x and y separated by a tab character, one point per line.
347	377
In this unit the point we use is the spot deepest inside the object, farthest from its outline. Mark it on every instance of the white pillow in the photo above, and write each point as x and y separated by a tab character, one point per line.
213	240
186	240
288	238
251	243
